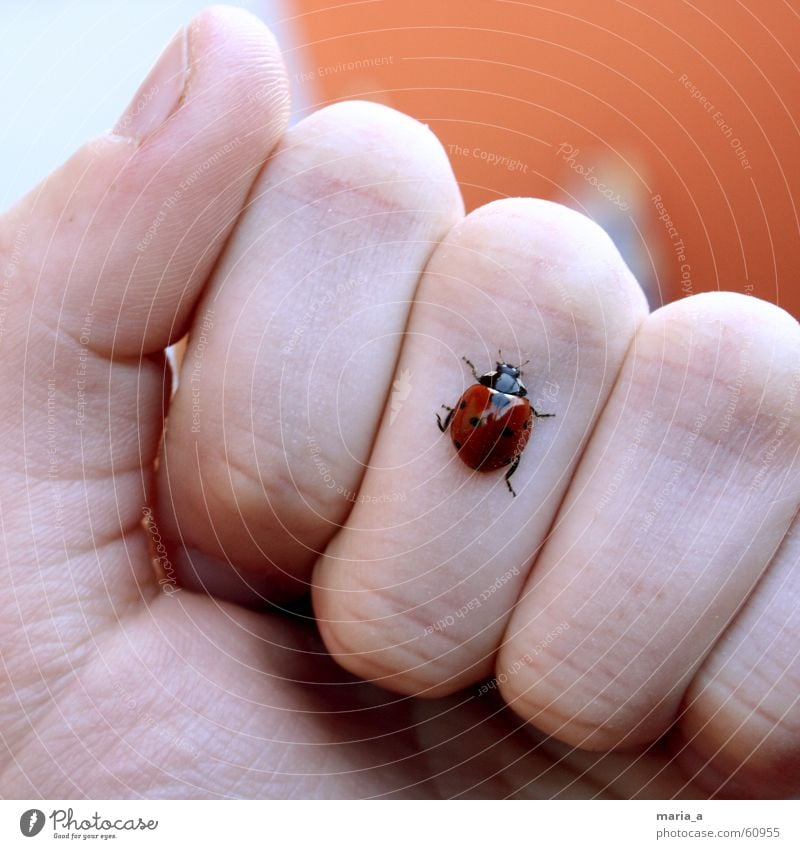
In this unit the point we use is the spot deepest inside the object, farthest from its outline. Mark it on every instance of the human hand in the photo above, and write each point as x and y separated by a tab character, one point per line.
637	600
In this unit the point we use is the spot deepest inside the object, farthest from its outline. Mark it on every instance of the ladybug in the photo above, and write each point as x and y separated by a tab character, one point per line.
492	421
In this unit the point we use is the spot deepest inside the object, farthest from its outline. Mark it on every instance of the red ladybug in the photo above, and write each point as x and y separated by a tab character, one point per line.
492	421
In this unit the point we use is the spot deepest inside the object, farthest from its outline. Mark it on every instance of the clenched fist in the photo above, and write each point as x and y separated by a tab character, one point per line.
626	626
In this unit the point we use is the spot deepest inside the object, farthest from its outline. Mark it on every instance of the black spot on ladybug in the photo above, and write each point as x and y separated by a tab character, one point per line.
462	405
507	432
474	421
458	445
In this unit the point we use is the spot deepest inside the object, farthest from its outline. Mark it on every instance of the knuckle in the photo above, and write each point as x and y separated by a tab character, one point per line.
383	643
745	351
565	262
572	704
392	157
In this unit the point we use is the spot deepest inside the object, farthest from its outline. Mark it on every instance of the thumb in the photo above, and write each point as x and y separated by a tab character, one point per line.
131	224
101	266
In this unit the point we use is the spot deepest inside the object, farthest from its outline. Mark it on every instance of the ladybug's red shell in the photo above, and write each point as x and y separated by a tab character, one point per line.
490	428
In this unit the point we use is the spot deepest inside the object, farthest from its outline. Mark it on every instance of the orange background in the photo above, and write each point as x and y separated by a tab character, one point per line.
515	80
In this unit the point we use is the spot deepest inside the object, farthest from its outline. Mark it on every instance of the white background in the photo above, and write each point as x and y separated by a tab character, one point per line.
69	67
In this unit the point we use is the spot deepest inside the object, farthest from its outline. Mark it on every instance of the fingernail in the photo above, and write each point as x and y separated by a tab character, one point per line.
160	93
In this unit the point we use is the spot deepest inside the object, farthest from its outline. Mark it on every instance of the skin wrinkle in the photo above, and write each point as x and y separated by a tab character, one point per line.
60	673
374	668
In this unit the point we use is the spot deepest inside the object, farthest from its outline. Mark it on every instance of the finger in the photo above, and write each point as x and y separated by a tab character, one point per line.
684	494
739	734
415	592
132	223
295	346
104	262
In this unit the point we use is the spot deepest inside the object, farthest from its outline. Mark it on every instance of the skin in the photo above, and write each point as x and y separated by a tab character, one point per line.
637	600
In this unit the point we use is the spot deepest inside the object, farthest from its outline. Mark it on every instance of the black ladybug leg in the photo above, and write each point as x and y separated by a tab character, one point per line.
444	425
473	369
512	469
541	415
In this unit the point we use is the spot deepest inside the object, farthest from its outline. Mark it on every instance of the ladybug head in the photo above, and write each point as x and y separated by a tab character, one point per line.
506	379
507	368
